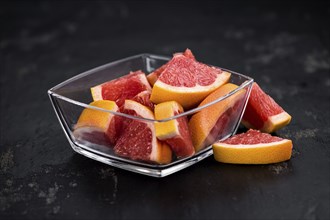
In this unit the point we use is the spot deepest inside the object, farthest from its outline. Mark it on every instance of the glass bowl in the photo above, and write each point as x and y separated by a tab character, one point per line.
72	96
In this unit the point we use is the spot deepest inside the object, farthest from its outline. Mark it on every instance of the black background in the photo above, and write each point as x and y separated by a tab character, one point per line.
283	45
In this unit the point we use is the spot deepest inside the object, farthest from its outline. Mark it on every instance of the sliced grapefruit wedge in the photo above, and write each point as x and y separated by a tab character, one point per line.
144	99
152	77
187	81
263	113
174	132
253	147
138	139
209	122
125	87
97	126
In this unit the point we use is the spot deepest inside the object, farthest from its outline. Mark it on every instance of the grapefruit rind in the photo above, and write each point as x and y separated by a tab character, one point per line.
163	154
174	132
152	78
96	92
264	153
167	129
273	123
188	97
96	123
202	122
276	122
96	118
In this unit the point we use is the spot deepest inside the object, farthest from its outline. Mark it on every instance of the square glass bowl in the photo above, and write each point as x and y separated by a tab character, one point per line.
72	96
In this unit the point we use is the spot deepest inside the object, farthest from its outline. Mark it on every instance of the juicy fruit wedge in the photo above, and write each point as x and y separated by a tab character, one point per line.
263	113
138	139
187	81
125	87
97	126
206	125
253	147
152	77
144	99
174	132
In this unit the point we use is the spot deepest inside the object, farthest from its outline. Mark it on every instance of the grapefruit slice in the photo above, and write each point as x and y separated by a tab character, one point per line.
125	87
253	147
97	126
211	122
138	139
152	77
144	99
174	132
187	81
263	113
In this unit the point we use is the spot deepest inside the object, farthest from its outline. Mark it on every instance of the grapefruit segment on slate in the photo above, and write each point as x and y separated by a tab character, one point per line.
152	77
97	126
187	81
138	139
122	88
174	132
263	113
207	124
253	147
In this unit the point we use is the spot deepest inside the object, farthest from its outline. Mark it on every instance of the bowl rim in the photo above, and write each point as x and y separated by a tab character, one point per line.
51	91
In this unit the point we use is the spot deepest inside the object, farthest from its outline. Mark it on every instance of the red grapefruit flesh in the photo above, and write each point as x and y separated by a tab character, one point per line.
253	147
138	140
251	137
187	81
182	144
152	77
125	87
263	113
144	99
183	71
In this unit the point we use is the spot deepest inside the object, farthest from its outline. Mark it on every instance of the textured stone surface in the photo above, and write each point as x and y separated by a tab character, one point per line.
285	47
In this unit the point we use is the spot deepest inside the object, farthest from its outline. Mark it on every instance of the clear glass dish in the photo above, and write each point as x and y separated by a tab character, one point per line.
72	96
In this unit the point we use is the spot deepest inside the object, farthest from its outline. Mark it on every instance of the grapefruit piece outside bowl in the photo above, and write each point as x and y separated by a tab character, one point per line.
263	113
138	139
174	132
253	147
187	81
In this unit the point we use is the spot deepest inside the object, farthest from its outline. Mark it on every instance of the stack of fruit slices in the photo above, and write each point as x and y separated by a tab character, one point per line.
181	84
